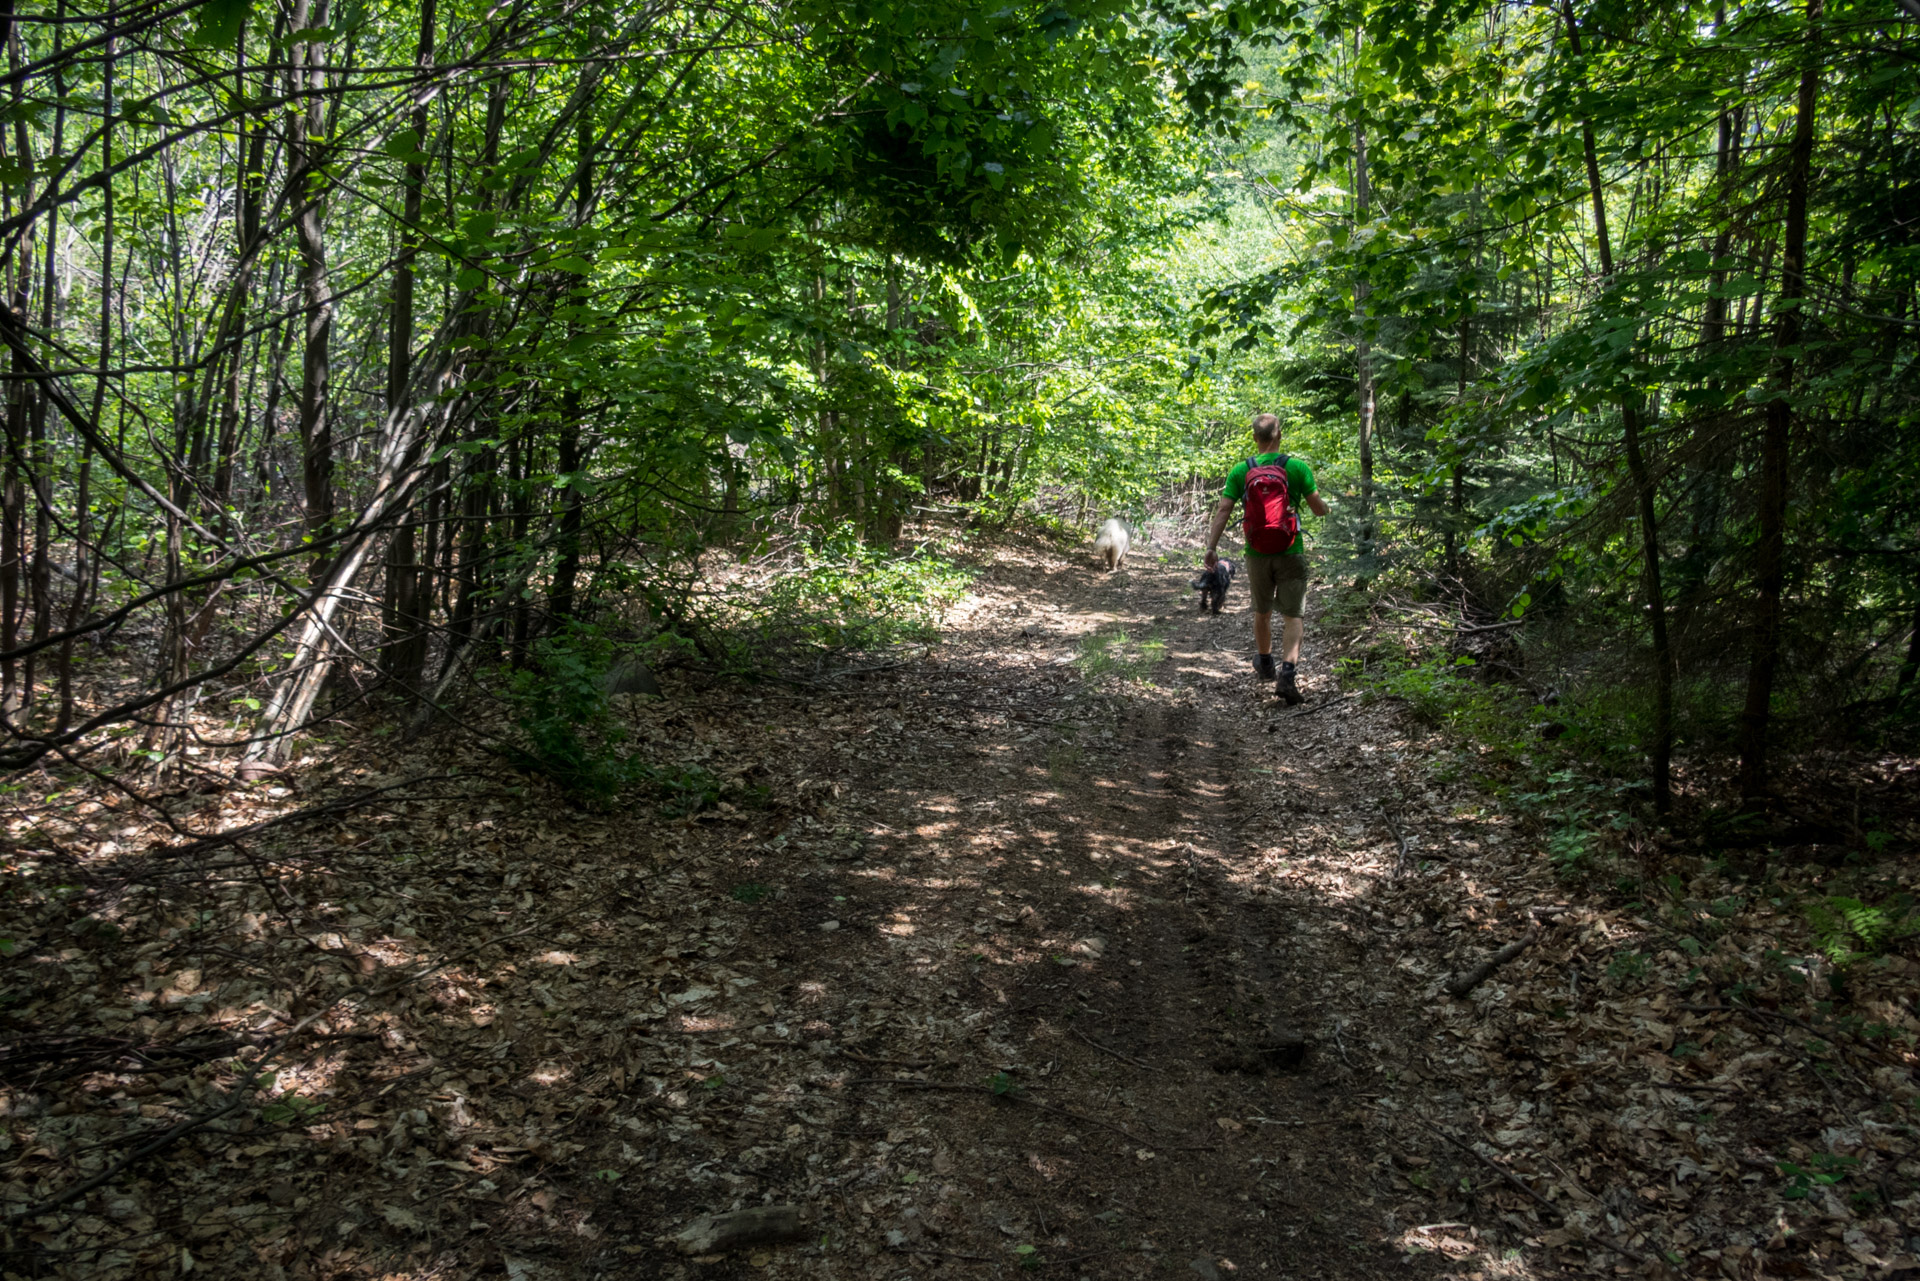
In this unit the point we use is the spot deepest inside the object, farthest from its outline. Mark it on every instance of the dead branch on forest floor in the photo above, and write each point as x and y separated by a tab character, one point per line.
1107	1049
1400	838
1480	973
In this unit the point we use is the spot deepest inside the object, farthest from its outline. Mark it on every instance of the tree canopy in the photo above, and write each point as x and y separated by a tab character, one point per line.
401	340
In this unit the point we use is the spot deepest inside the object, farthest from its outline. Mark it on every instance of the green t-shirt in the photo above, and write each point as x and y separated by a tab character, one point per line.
1299	485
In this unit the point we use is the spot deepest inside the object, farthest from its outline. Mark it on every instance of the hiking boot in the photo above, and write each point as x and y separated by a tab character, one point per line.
1287	690
1263	666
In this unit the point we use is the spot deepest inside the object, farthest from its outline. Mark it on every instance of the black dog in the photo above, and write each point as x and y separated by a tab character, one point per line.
1212	584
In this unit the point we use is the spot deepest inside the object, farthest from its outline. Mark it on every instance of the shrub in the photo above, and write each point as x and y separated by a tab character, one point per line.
849	594
566	722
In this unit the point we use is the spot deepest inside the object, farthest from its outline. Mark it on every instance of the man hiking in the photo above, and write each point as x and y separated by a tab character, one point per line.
1274	486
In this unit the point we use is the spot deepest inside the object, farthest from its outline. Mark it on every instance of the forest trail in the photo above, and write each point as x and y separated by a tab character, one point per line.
1164	886
1057	946
1104	871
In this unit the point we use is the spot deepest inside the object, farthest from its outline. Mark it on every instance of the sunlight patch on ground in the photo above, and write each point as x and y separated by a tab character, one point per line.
1458	1242
550	1074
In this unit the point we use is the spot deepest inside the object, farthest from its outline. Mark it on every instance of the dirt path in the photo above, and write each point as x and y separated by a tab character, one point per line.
1062	947
1106	973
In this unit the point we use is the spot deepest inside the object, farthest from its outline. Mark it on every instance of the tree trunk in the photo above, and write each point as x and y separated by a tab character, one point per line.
85	564
1660	741
316	433
15	693
1362	349
567	567
403	606
1770	554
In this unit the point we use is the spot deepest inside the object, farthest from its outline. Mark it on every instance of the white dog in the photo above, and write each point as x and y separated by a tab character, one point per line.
1111	543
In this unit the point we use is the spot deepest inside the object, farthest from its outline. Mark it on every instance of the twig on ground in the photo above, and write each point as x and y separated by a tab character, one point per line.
1479	974
1807	1054
1072	1259
947	1087
1108	1049
1706	1086
1399	864
1319	707
911	1065
868	671
1830	1037
1268	1120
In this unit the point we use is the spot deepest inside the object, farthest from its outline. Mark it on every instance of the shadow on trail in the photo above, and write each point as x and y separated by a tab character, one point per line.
1081	886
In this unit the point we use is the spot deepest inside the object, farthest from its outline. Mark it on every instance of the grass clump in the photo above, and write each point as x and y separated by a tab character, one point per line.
1438	691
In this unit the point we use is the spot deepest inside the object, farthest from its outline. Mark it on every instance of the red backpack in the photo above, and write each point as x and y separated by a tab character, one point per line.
1271	522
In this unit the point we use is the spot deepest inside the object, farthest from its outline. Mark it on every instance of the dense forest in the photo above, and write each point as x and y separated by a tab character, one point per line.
351	349
387	377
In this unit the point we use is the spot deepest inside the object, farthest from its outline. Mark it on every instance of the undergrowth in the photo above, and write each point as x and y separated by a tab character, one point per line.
1525	755
1849	930
850	595
564	715
1571	771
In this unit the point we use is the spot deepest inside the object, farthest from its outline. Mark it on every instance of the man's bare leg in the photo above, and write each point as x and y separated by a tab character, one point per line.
1263	633
1291	630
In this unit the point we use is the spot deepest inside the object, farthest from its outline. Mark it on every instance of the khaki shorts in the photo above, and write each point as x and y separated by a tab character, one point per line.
1278	582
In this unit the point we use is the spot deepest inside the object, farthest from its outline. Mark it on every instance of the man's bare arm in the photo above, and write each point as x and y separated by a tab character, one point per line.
1221	515
1317	504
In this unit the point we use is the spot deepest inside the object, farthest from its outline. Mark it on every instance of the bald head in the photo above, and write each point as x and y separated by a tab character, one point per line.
1266	430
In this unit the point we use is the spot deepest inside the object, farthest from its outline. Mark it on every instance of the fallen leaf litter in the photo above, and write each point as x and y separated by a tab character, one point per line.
1013	965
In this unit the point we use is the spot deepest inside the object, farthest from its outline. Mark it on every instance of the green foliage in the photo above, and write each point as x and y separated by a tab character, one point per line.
1822	1170
565	718
1568	846
292	1109
684	789
1628	967
848	594
1849	930
1504	379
